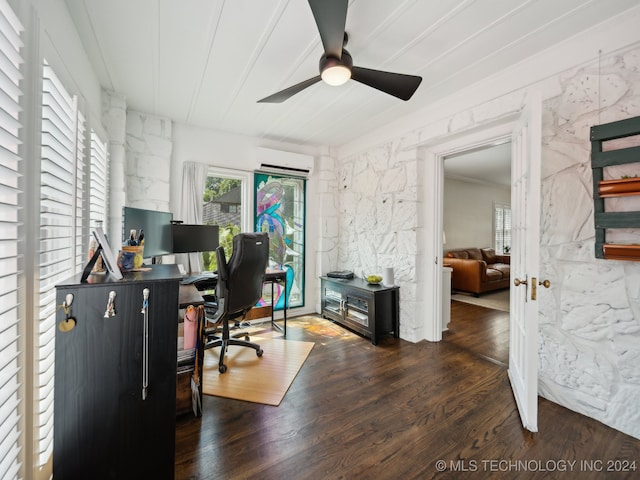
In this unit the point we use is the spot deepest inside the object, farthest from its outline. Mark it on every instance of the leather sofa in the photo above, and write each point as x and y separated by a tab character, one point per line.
478	270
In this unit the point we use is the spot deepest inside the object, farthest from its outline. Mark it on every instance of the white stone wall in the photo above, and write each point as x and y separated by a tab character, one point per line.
590	321
325	213
378	220
590	318
114	118
148	166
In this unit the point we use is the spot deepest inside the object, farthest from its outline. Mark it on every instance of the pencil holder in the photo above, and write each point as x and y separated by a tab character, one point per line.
130	257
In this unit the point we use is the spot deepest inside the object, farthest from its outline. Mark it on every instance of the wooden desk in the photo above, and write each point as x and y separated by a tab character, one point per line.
189	295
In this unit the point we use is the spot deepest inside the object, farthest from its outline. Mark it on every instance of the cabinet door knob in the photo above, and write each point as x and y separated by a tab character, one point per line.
517	282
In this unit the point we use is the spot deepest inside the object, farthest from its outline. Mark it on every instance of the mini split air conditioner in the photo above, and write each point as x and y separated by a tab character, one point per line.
283	163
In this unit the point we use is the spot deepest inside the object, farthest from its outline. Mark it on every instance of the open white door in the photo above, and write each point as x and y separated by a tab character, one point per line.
525	235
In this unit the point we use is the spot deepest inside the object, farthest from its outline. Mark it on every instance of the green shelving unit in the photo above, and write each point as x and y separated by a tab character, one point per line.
599	161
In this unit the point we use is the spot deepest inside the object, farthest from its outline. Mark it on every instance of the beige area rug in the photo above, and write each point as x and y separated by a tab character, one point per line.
255	379
498	300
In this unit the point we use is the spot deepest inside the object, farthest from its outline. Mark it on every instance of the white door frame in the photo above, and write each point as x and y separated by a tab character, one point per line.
434	155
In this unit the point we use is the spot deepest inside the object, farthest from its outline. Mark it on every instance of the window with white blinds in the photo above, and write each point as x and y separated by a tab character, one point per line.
79	189
502	229
99	183
11	436
61	193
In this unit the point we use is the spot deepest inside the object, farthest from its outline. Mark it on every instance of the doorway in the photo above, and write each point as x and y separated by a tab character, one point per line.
476	214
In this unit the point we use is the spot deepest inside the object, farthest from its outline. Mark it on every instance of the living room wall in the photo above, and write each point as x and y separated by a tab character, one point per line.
468	212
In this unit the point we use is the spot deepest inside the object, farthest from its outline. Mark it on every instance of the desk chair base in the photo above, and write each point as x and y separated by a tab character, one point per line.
213	339
224	344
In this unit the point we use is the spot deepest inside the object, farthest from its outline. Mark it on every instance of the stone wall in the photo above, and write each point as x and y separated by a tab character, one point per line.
590	318
148	167
378	219
114	118
590	323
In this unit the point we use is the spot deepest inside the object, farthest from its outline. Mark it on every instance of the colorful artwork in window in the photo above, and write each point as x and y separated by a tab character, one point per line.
280	207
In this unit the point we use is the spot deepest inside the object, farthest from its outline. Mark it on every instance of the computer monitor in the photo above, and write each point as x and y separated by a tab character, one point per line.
194	238
156	227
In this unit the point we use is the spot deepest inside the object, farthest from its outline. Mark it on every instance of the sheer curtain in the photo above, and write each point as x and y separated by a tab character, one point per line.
194	177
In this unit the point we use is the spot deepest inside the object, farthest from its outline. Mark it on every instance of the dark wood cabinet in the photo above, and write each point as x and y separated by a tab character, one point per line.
370	310
106	424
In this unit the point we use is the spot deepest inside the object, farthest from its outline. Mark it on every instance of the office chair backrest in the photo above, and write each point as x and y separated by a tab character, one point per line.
240	280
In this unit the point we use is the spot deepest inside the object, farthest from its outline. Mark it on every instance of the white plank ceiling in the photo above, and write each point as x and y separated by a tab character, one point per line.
207	62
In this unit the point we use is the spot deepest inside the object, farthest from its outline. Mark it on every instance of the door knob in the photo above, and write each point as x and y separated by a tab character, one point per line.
545	283
517	282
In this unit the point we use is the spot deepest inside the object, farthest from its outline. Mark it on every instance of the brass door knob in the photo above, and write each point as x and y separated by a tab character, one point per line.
517	282
545	283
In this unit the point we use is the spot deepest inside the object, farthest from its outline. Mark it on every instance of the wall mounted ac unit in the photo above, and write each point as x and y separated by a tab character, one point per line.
283	163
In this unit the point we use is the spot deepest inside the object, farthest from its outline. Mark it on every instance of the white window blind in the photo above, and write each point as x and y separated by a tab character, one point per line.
99	183
11	437
502	232
60	194
79	189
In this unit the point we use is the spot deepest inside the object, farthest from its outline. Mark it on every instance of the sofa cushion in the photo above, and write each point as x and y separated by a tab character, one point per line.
503	268
493	275
474	253
458	254
489	255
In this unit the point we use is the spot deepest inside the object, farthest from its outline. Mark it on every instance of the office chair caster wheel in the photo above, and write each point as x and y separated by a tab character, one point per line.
222	368
259	352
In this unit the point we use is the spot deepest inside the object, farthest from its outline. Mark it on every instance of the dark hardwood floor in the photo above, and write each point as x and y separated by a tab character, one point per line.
479	330
394	411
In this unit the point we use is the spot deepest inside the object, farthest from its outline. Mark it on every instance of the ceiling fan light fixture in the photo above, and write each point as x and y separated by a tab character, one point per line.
336	75
336	71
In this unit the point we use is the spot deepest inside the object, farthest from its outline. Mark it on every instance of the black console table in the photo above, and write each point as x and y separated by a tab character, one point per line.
370	310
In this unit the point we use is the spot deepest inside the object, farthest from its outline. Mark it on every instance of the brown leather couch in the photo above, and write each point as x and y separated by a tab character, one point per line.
478	270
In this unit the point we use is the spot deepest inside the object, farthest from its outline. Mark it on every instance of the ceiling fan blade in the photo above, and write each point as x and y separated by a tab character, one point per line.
283	95
330	16
396	84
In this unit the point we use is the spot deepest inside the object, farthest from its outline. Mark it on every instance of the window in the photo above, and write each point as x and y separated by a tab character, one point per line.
502	228
60	252
99	183
10	322
280	211
222	206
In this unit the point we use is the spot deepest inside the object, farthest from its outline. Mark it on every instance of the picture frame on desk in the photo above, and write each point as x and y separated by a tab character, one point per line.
110	260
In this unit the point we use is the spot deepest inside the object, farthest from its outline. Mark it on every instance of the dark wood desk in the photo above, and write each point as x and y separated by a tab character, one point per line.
189	295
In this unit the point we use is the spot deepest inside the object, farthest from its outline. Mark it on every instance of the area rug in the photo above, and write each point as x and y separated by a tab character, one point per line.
498	300
255	379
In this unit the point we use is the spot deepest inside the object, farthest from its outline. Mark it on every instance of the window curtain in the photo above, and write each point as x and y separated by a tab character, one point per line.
194	177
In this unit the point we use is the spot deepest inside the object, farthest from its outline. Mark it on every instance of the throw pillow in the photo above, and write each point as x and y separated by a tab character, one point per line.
489	255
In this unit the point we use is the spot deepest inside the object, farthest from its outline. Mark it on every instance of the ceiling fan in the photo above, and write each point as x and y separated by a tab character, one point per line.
336	64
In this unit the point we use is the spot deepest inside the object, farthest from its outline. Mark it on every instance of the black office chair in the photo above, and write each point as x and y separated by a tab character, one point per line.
238	290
